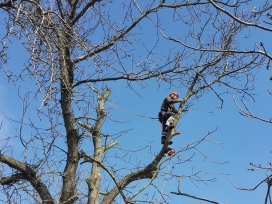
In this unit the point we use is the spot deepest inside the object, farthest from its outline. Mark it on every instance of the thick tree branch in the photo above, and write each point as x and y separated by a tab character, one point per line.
12	179
110	146
30	175
86	126
148	172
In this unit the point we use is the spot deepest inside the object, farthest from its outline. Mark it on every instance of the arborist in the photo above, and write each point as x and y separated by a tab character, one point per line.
167	116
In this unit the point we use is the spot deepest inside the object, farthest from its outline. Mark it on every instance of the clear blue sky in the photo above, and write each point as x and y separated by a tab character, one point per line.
242	140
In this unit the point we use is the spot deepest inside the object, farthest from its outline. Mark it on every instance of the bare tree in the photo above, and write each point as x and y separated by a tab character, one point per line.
76	50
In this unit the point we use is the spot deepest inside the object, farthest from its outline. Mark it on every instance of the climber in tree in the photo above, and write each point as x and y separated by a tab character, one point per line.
167	114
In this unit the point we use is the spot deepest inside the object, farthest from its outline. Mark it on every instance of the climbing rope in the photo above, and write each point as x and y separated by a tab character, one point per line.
143	116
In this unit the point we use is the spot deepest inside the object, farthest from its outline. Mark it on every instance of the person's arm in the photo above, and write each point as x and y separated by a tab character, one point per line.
171	100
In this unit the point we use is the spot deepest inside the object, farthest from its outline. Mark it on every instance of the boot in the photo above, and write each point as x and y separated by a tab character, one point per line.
163	138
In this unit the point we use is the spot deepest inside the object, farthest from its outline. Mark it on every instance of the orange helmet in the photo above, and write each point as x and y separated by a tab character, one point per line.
175	93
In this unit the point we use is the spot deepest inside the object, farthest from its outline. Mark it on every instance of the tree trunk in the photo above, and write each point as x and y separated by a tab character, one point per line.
69	176
95	177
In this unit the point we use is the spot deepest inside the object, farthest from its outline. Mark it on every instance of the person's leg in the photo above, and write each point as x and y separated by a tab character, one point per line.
164	133
166	117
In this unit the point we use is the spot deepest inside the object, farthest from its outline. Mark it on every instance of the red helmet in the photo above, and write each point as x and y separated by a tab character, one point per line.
170	152
175	93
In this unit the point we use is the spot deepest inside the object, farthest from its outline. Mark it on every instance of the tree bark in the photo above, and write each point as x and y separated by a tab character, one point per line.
69	194
94	179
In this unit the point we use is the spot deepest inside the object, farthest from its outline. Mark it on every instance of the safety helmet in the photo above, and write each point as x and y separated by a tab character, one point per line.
170	152
175	93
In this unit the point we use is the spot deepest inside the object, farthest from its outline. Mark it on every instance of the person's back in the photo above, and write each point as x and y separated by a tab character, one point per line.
168	104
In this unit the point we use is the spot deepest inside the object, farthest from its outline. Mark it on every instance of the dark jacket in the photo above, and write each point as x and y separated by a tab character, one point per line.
168	105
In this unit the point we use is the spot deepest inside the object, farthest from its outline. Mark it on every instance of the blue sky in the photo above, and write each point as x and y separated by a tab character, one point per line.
236	142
